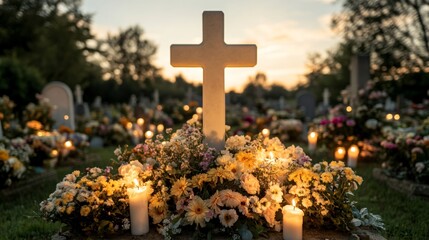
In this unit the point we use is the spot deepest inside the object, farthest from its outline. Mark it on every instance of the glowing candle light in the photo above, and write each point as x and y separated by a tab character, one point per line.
349	109
160	128
54	153
340	153
186	108
292	222
396	117
312	141
265	132
140	122
352	156
129	125
139	216
68	144
389	116
66	117
148	134
199	110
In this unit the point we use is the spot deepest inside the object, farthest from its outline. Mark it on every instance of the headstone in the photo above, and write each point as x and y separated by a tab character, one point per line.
359	71
81	108
307	103
389	105
213	55
189	95
133	100
1	130
282	103
78	93
97	103
156	97
60	95
326	95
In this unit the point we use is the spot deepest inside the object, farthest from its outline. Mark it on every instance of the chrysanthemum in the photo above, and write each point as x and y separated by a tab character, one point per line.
247	159
249	183
235	168
180	187
215	202
157	213
228	217
327	177
197	211
307	203
243	207
230	198
85	210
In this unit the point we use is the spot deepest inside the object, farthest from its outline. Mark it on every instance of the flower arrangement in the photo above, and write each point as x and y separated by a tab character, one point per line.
92	202
406	154
38	116
14	160
239	191
287	129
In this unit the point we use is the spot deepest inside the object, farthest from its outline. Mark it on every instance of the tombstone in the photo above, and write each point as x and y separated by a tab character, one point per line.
156	98
307	103
389	105
133	101
1	130
81	108
97	104
281	103
326	95
189	95
359	76
60	95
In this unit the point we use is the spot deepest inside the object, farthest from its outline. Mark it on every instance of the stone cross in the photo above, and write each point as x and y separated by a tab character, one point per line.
213	55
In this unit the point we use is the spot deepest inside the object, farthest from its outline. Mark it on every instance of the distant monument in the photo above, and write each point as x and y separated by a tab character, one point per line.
359	76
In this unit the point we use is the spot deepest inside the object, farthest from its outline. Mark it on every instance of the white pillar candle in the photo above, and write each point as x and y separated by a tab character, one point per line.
292	222
312	141
352	156
340	153
139	210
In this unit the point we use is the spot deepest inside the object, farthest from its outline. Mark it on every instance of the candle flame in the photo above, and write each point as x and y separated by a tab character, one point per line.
136	182
313	135
68	144
265	132
271	156
340	150
293	203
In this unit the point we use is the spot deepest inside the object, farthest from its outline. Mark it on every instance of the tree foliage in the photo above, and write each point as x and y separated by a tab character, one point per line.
128	56
50	35
396	32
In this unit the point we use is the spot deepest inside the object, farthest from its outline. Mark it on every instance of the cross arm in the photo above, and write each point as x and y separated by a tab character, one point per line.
241	55
185	55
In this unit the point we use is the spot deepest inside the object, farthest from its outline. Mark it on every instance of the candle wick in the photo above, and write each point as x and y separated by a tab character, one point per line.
294	207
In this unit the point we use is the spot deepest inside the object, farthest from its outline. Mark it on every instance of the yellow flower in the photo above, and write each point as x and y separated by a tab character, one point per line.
36	125
70	209
4	154
157	213
180	187
249	183
85	210
198	180
358	179
349	173
336	164
307	203
247	159
197	211
67	197
228	217
235	168
215	202
327	177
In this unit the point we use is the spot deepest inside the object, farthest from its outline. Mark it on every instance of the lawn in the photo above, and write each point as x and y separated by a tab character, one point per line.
405	217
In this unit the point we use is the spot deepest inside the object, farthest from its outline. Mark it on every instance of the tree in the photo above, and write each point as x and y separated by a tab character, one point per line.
50	35
128	56
396	32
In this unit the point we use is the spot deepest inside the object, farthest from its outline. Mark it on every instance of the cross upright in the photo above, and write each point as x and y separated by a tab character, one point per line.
213	55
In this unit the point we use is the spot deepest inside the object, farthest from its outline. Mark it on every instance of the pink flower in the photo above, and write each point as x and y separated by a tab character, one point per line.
350	123
388	145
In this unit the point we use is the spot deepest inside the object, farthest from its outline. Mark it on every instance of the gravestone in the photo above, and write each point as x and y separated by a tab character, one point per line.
213	55
306	102
326	95
61	97
133	101
81	108
359	76
97	104
281	103
389	105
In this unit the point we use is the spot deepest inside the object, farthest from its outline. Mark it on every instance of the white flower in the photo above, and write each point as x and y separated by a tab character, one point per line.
275	193
228	217
420	167
236	142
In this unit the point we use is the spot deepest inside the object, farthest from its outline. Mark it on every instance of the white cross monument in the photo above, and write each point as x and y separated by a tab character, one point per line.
213	55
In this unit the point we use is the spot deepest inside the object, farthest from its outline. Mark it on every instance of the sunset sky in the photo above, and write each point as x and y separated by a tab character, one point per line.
285	32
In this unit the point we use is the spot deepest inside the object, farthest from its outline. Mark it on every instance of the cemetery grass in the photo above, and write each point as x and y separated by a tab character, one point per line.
405	217
19	216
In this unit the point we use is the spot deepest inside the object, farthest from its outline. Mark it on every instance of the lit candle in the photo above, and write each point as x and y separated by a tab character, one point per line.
292	222
340	152
139	209
160	128
312	141
352	156
140	122
148	134
265	132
